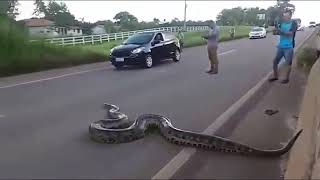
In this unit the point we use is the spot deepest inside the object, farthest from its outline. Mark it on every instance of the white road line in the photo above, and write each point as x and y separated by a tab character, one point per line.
227	52
168	171
76	73
55	77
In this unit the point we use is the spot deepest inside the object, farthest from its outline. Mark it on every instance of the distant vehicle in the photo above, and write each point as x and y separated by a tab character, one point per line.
145	49
258	32
301	28
312	24
298	21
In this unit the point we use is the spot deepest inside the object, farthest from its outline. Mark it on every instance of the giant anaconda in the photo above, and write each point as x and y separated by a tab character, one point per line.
116	128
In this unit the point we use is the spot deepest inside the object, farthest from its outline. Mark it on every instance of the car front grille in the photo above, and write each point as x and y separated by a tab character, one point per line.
121	53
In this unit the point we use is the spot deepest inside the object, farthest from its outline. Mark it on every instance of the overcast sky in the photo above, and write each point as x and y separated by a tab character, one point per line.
146	10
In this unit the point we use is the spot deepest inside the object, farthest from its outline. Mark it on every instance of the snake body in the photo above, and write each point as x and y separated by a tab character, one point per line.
117	128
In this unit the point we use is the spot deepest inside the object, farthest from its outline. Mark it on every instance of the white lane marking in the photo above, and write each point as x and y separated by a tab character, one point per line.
227	52
185	154
55	77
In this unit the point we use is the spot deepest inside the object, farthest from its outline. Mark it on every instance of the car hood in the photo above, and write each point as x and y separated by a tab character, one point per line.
126	47
256	32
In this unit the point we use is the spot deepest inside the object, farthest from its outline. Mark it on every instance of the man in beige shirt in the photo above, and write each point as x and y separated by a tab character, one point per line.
212	47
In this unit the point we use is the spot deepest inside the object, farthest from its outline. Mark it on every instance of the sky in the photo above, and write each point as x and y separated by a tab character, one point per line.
93	11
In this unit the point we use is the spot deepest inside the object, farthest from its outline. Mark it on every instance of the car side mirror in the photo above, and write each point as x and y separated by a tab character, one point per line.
155	42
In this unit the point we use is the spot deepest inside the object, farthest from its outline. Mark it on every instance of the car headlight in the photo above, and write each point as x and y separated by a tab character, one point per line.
138	50
111	50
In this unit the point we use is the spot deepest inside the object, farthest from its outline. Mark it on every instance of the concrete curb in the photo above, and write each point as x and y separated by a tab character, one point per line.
303	160
168	171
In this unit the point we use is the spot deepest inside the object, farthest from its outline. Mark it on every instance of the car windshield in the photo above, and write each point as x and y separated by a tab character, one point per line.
139	38
256	29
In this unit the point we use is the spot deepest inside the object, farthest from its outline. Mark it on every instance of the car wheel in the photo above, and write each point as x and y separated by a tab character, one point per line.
148	63
177	55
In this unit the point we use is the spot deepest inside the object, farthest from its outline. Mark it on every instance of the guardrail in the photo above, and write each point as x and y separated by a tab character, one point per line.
92	39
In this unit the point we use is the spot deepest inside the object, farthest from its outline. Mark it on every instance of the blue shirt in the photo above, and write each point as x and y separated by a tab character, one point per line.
286	41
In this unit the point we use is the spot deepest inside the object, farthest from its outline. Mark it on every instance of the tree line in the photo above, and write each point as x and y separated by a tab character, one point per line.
124	21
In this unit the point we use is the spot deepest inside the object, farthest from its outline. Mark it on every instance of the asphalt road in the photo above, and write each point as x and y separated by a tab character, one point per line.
44	125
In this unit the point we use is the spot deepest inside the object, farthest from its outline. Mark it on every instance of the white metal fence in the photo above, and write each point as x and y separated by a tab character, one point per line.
92	39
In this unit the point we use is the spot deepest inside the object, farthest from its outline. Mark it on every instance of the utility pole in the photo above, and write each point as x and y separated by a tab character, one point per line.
185	15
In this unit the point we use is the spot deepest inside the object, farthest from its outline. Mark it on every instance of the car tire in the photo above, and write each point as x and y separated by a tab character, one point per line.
148	62
177	55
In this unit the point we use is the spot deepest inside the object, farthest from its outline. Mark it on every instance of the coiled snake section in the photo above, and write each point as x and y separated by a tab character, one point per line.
117	128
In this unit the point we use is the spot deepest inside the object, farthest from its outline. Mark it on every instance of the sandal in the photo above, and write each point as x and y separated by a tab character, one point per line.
285	81
273	79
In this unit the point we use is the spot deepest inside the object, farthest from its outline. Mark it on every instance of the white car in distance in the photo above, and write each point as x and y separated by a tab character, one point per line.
258	32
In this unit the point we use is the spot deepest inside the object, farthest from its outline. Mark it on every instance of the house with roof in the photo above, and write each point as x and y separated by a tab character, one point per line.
39	27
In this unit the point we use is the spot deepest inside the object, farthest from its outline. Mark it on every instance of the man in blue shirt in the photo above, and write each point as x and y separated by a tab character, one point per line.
287	29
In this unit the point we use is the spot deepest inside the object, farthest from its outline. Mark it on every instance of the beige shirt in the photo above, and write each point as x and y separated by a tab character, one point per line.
213	38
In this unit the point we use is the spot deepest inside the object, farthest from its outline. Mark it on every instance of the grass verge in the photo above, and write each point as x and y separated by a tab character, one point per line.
307	57
18	55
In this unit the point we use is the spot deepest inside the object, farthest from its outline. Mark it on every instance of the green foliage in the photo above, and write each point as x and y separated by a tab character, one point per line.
307	57
248	16
234	16
8	8
57	12
40	9
19	55
109	27
126	21
194	38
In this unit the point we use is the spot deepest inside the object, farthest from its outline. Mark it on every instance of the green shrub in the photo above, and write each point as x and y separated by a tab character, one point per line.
307	57
19	55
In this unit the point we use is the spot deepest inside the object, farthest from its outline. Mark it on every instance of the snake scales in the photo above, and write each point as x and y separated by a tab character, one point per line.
116	128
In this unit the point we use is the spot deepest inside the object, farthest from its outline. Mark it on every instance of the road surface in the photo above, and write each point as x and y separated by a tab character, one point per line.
44	124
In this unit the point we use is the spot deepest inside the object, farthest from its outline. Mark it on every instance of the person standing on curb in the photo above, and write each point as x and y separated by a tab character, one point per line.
232	32
180	38
286	30
212	47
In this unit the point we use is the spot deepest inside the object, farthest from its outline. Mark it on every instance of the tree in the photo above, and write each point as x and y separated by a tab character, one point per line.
9	8
59	13
109	26
272	14
126	20
234	16
175	22
40	9
125	17
156	20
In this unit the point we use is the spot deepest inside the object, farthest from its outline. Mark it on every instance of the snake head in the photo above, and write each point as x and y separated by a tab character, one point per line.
110	107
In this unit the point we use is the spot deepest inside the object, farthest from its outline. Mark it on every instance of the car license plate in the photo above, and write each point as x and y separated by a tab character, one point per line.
120	59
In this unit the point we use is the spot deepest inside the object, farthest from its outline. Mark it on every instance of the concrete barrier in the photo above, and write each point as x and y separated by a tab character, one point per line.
304	160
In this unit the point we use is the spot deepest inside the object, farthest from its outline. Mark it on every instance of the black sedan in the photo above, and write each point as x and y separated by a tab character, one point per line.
146	49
